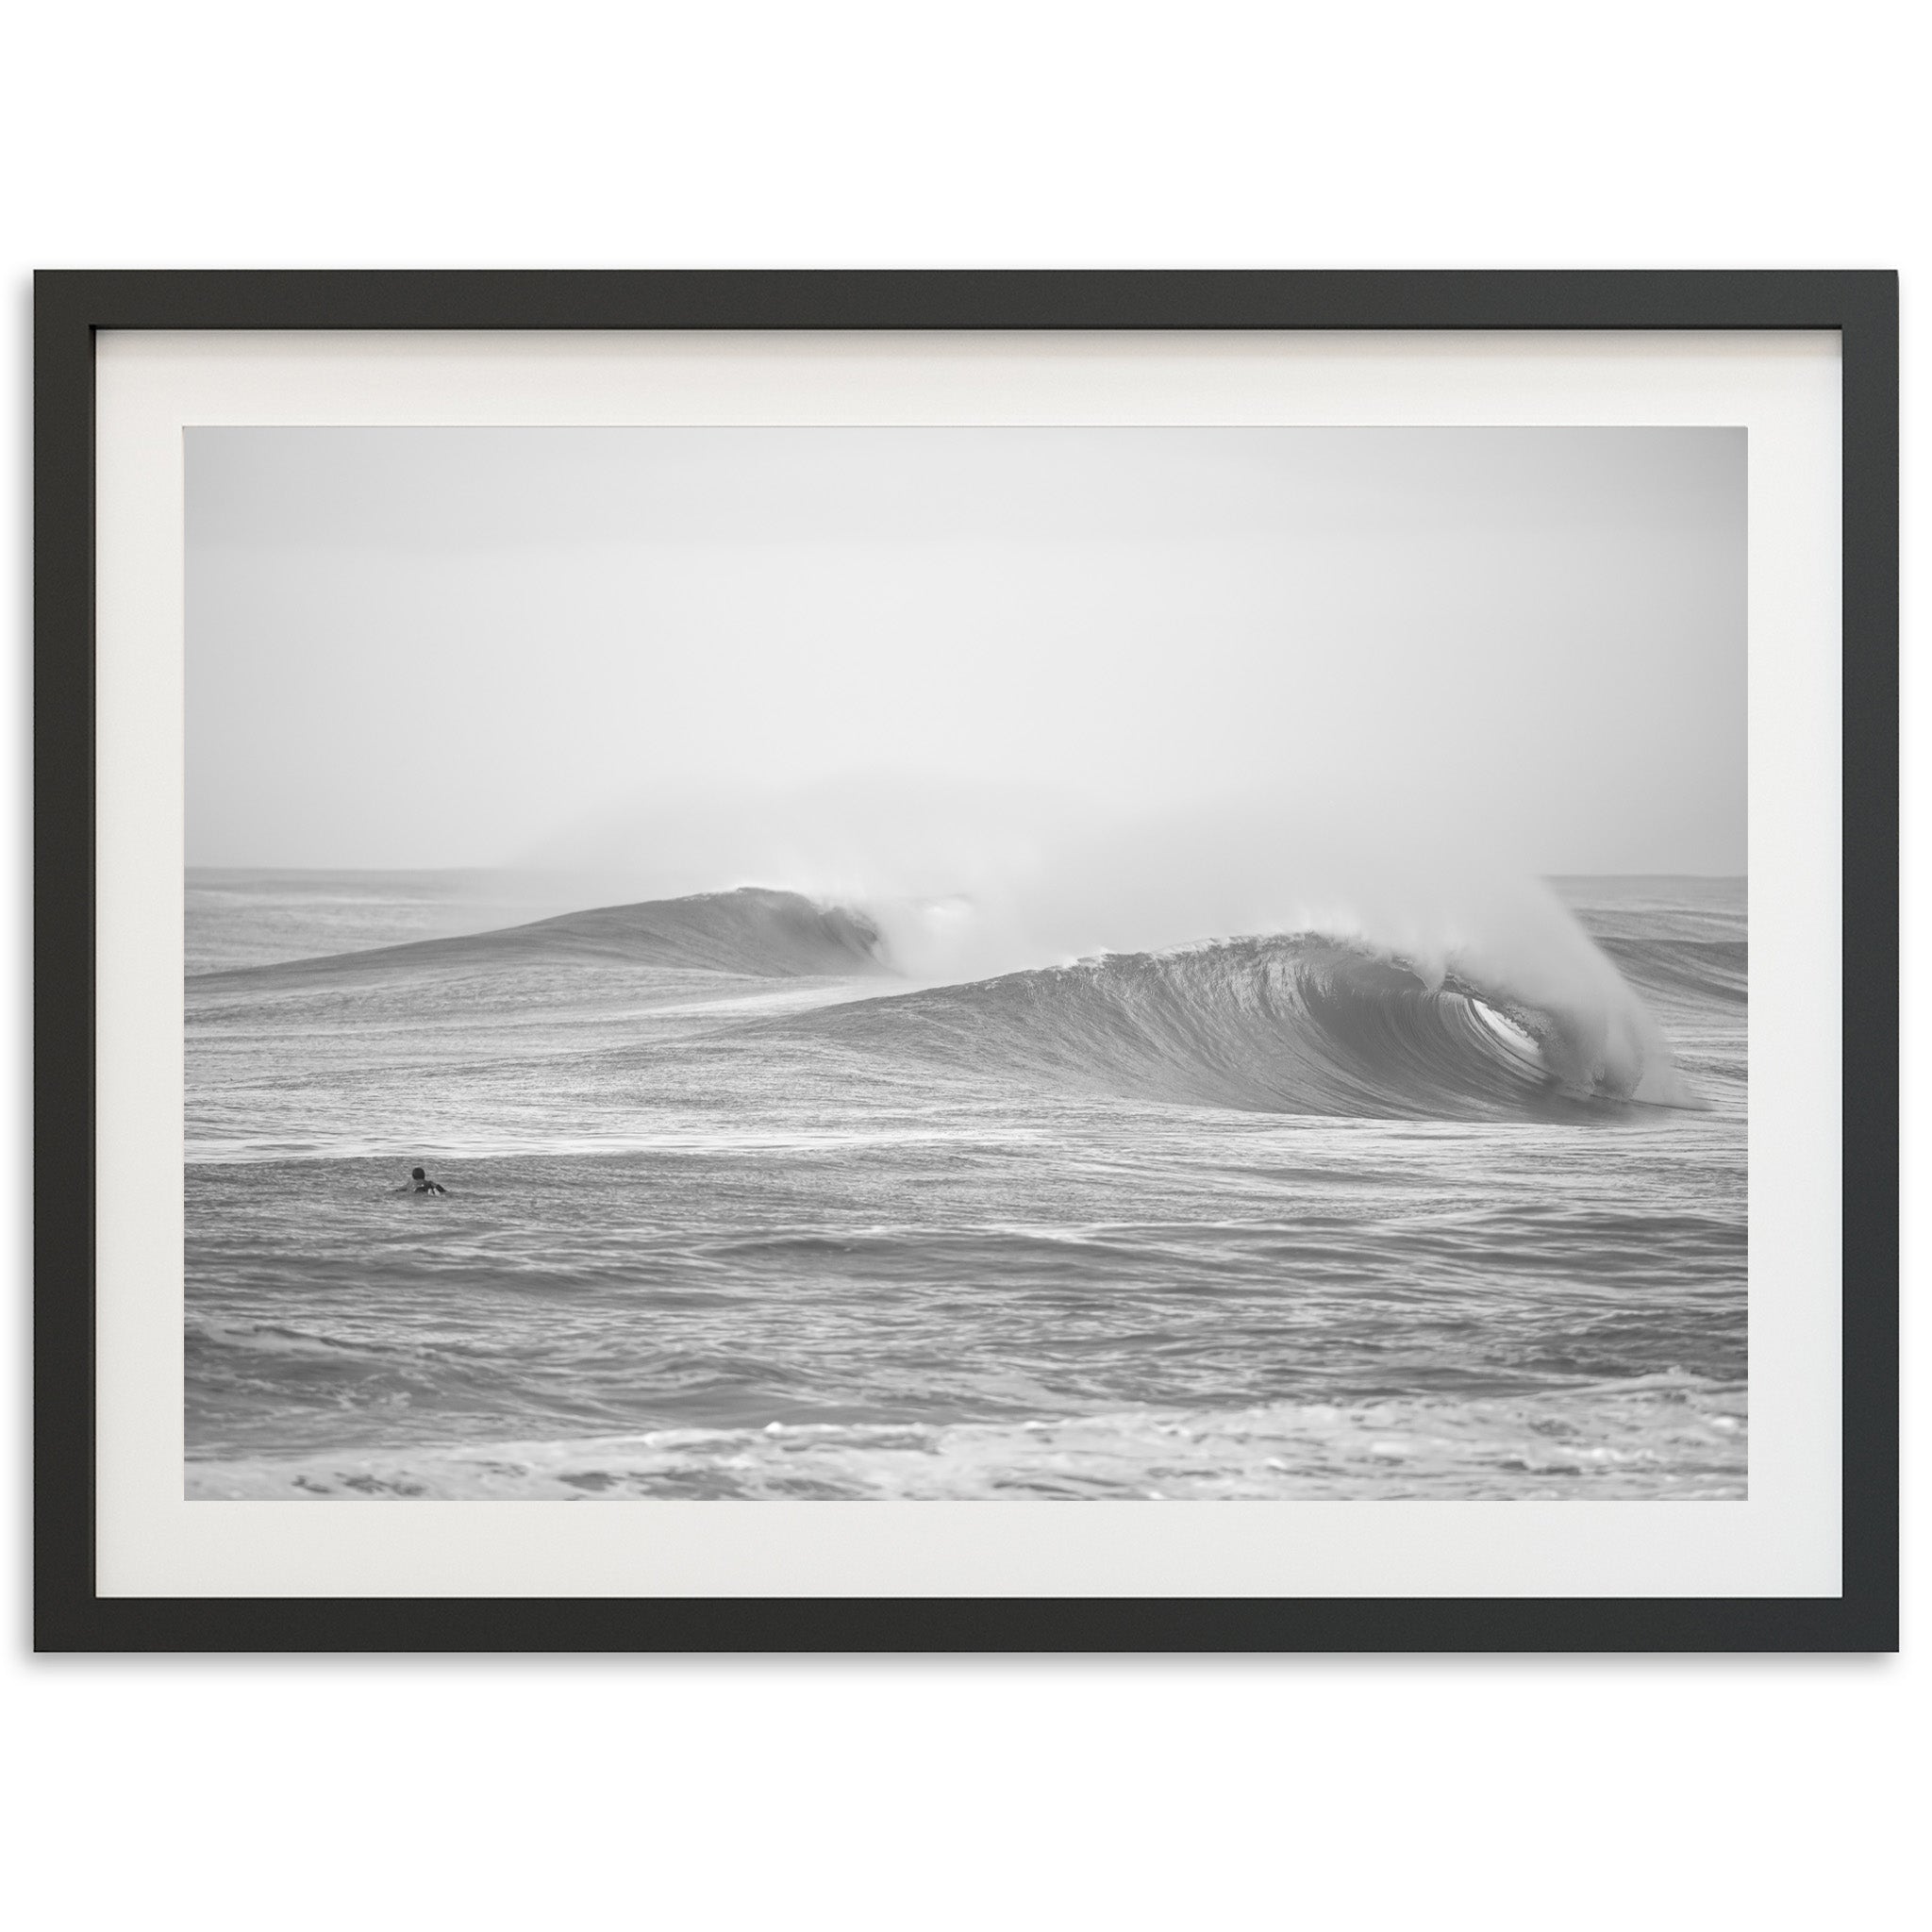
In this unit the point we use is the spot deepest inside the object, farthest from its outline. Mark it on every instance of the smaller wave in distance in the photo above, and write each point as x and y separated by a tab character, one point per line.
752	931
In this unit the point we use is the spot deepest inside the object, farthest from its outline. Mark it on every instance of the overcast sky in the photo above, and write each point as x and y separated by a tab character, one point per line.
682	647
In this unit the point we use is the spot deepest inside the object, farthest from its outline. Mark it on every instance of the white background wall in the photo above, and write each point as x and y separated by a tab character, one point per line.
1547	1793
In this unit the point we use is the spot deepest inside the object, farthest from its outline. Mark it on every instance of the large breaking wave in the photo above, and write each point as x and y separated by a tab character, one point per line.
1507	1011
1298	1024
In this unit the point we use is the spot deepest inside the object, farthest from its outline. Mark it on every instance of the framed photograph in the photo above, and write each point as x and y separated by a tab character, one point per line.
966	962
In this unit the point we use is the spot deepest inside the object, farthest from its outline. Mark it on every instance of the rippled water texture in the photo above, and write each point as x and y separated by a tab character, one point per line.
735	1212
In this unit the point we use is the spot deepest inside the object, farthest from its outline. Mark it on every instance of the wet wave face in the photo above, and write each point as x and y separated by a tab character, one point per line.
1686	972
1293	1024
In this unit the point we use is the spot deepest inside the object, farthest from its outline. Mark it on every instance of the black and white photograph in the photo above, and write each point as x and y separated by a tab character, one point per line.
966	964
1005	908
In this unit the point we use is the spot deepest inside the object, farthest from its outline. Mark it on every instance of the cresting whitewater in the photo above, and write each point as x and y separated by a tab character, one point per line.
752	1194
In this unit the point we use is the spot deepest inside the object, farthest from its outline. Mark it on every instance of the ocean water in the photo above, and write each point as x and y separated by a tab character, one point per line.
255	918
736	1211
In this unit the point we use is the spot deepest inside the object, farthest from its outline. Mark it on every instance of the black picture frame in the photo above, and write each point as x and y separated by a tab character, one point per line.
70	308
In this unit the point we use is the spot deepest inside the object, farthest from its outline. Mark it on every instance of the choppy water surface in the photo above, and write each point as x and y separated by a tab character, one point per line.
733	1211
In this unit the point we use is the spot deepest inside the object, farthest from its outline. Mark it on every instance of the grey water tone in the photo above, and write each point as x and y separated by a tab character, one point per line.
739	1208
1030	962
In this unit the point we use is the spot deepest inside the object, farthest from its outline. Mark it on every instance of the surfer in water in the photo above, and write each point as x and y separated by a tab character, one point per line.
421	1184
